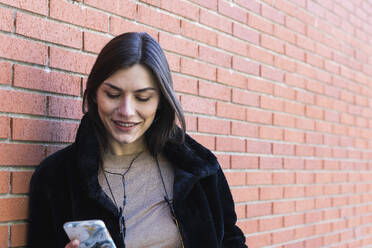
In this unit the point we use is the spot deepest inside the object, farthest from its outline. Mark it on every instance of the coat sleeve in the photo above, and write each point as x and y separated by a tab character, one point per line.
40	232
233	236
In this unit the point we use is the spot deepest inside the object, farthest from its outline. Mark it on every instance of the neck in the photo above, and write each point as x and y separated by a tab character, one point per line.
127	149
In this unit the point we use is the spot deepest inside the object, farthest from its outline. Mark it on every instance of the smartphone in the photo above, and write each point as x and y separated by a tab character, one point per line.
90	233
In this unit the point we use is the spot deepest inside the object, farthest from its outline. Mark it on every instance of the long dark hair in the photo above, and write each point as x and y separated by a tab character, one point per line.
125	51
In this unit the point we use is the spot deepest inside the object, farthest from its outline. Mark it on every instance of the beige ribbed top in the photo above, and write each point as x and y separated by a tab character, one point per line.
147	215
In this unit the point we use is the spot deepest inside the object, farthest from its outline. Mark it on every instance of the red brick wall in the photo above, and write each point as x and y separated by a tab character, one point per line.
279	89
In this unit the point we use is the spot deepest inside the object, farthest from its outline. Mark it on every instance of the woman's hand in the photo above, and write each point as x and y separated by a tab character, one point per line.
73	244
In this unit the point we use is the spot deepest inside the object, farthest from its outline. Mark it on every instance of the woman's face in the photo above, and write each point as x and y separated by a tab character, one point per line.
127	102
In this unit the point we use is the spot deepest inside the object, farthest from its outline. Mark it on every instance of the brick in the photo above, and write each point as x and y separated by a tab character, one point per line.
294	192
305	205
244	194
284	34
21	102
21	181
18	235
314	242
174	61
306	151
271	163
259	209
71	61
33	154
177	45
215	126
313	138
260	86
284	64
294	108
191	122
245	97
207	141
272	14
215	91
198	69
272	74
259	240
181	8
230	144
271	193
306	124
245	66
232	11
283	236
294	163
258	178
232	45
294	52
294	80
210	4
64	107
76	14
302	232
231	111
295	25
250	5
41	130
271	133
244	162
158	19
215	21
5	73
260	24
6	20
119	26
284	120
94	42
293	220
198	105
271	103
242	32
199	33
283	149
283	207
235	178
4	235
214	56
22	50
250	226
244	129
13	208
122	8
4	182
50	31
259	116
294	136
270	224
185	84
258	147
273	44
40	6
4	127
261	55
231	78
51	81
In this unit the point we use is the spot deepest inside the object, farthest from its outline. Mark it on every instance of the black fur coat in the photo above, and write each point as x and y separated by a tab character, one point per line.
65	188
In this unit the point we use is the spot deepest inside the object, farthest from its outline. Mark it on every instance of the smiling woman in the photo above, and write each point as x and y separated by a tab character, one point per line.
131	166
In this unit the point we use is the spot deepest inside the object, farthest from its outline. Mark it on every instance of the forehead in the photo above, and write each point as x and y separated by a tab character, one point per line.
133	78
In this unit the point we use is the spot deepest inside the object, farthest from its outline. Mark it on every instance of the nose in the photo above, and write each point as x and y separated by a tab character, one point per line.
127	106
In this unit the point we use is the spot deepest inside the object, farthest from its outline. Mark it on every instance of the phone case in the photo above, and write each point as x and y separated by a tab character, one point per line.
90	233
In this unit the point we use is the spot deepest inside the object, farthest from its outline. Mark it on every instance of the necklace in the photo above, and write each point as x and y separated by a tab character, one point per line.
121	214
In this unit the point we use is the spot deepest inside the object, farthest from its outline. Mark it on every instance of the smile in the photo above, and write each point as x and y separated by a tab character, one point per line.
125	124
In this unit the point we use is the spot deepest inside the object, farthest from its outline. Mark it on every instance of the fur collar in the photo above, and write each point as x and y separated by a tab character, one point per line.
192	162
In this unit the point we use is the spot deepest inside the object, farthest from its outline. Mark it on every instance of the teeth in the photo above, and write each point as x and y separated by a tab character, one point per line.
125	124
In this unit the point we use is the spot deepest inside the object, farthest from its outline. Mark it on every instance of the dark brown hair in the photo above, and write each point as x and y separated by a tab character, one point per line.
125	51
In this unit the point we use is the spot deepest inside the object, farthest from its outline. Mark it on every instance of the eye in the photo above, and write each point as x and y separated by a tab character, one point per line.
110	95
142	99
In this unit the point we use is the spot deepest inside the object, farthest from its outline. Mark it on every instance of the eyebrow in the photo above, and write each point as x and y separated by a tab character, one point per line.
137	91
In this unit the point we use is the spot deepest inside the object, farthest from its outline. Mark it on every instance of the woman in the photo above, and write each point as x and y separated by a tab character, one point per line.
131	166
